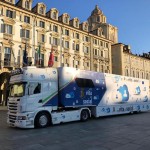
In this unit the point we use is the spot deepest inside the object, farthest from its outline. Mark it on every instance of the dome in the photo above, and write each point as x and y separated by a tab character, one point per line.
96	11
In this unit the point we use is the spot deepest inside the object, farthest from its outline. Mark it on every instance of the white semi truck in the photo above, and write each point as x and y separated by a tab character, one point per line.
43	96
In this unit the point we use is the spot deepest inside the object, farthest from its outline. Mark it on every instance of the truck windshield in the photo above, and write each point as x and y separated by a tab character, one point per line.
17	90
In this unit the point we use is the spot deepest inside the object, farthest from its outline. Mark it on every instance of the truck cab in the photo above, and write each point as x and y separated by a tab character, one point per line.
31	89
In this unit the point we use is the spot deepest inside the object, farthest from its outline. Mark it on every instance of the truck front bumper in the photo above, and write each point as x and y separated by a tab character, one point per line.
22	120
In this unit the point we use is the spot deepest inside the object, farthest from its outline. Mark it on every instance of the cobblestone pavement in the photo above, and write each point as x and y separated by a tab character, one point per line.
126	132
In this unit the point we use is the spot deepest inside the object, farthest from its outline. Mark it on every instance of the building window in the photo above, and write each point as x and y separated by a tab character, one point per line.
126	72
98	18
86	39
77	47
55	58
1	11
42	60
6	28
76	63
20	18
147	76
55	28
9	13
107	69
102	68
95	52
106	45
85	27
41	10
25	33
86	49
86	64
55	41
27	4
7	56
54	16
66	44
77	35
26	19
67	32
65	19
102	54
42	24
137	74
42	38
142	74
133	74
95	67
95	41
76	24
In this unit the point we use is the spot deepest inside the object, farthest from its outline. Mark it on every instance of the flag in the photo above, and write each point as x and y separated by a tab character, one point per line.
51	59
25	59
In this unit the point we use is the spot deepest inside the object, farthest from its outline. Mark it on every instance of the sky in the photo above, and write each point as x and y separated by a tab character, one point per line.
131	17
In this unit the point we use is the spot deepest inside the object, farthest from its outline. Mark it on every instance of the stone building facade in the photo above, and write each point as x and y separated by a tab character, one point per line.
124	62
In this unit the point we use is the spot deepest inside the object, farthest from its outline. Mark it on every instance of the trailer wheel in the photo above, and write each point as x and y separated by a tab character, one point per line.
42	120
84	115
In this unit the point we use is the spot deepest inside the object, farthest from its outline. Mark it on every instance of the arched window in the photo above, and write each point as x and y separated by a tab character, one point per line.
27	4
98	18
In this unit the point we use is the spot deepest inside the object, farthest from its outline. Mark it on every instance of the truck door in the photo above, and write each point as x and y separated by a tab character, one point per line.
35	96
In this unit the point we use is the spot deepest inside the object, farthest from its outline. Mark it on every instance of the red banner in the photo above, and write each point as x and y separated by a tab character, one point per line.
51	59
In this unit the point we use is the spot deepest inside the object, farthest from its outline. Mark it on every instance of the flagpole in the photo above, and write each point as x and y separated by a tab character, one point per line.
25	59
39	55
61	47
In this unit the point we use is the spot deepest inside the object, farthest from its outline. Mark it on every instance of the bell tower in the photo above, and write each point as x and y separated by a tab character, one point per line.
96	18
98	25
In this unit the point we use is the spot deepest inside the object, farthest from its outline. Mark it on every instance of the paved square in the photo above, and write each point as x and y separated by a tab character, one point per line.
125	132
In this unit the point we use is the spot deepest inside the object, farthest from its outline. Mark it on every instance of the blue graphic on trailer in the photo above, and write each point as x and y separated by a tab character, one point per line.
70	95
124	93
146	99
117	78
138	107
107	110
78	94
138	91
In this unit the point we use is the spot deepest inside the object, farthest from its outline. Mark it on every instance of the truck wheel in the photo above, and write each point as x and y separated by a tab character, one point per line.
84	115
42	120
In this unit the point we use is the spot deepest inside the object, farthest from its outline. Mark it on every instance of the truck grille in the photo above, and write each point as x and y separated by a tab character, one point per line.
12	107
12	118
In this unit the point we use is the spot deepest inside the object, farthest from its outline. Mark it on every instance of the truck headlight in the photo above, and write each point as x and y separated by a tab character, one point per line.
22	117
